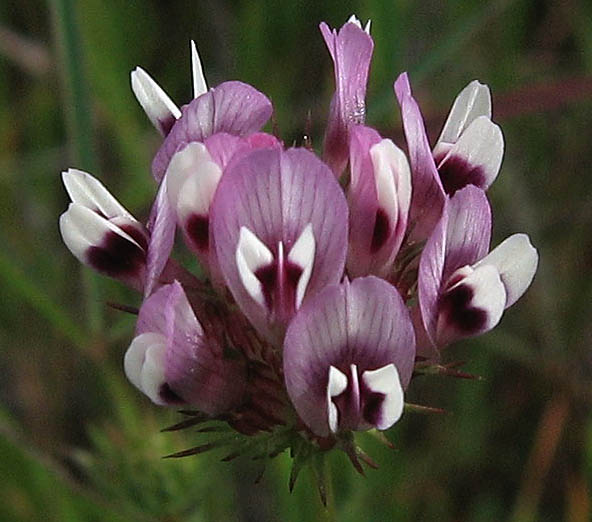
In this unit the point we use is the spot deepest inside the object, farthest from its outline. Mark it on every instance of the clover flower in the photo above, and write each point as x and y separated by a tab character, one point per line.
326	283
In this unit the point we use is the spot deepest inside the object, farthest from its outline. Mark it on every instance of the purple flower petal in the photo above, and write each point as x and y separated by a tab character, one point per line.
364	325
429	277
197	369
172	359
468	230
460	238
379	197
428	194
162	226
232	107
351	50
272	196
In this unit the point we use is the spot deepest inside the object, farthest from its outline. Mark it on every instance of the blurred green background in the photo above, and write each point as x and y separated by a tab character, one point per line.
77	442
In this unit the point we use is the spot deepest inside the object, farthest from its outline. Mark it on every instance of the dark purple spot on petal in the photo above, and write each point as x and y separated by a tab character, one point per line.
455	304
372	411
456	172
198	230
136	235
116	256
381	231
166	124
272	287
168	395
267	275
293	273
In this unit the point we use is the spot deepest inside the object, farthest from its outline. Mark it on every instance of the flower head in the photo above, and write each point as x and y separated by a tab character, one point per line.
316	290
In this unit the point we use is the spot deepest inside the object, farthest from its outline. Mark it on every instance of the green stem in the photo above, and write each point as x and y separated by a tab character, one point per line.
77	110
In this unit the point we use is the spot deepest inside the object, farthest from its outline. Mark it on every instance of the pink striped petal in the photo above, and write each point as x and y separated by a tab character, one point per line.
173	360
355	329
461	238
161	225
232	107
468	231
428	195
275	195
351	50
379	197
197	369
429	277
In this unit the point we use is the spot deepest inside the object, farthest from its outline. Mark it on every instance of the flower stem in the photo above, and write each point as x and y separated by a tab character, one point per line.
79	124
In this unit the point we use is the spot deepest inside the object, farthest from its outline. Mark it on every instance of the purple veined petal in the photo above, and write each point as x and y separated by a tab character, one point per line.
428	195
89	192
199	82
429	277
145	359
232	107
102	245
340	335
162	224
222	147
474	159
362	198
424	346
471	305
379	197
152	314
196	367
159	108
516	260
263	140
473	101
275	195
351	50
468	230
172	359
